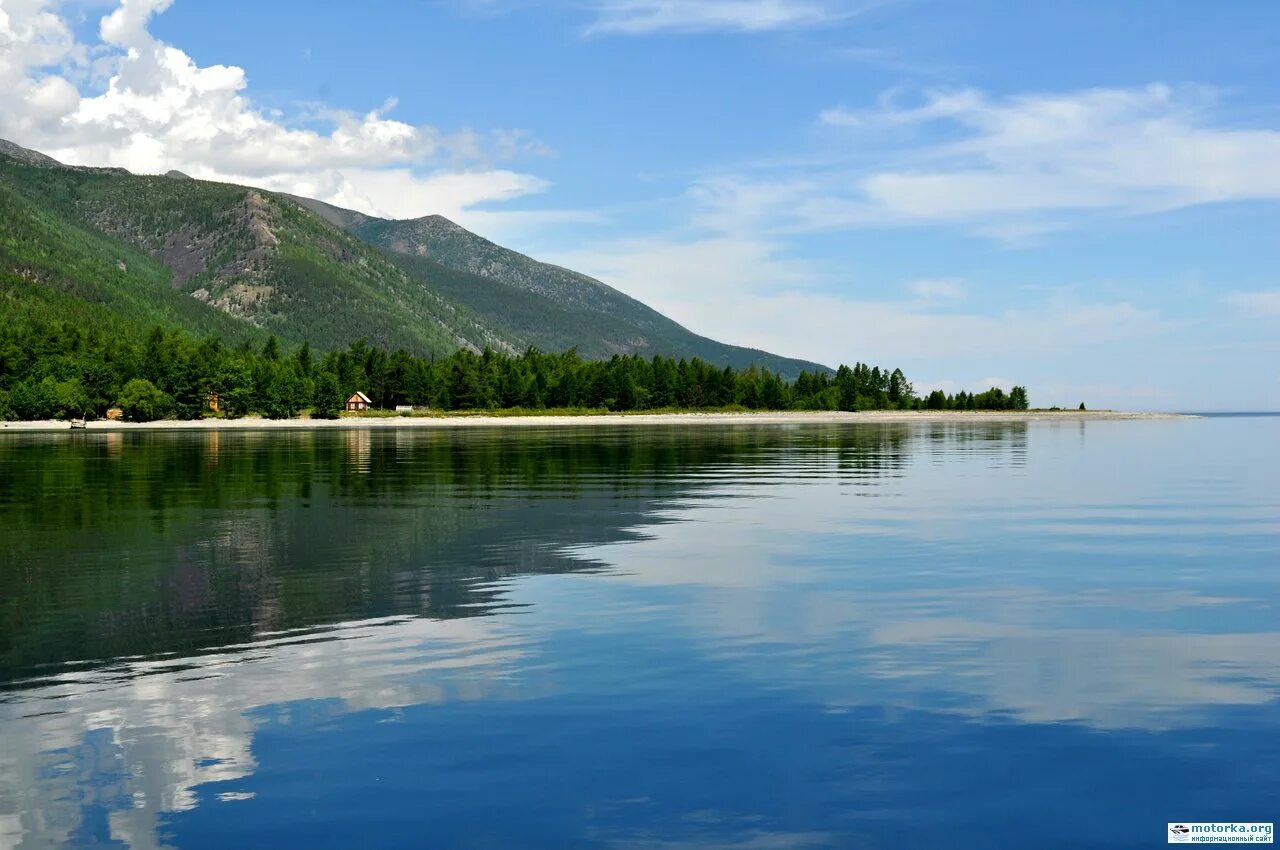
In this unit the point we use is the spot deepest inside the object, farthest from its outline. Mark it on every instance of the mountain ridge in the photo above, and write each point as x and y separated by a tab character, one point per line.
306	270
626	325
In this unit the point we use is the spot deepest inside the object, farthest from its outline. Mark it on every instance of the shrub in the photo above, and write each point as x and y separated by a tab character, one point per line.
142	401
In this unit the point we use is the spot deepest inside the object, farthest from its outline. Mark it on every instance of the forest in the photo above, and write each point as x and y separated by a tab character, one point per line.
61	370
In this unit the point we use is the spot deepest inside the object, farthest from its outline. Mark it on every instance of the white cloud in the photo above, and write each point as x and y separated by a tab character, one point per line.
642	17
1260	303
159	110
736	203
893	332
939	105
1008	169
126	26
33	38
748	290
936	289
687	278
1131	151
402	193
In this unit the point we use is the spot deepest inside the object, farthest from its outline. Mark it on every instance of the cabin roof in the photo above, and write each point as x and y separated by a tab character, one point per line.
360	396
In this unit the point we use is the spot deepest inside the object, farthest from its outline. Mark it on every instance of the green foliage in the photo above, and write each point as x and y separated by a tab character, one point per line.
287	391
50	369
56	266
48	398
326	398
142	401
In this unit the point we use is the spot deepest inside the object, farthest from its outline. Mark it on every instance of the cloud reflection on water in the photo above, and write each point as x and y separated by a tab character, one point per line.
922	570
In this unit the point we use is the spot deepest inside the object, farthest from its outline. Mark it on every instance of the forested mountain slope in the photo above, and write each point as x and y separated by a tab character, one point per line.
243	263
546	305
167	250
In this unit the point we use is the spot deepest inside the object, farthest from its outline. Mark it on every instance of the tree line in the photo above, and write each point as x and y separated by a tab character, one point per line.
64	370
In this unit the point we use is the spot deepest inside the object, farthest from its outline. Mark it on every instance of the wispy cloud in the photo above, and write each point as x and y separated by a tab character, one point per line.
1130	151
1009	169
752	290
643	17
936	290
1260	303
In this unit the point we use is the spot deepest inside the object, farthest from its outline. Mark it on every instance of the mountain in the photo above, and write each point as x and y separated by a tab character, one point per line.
212	258
245	263
21	154
55	270
539	303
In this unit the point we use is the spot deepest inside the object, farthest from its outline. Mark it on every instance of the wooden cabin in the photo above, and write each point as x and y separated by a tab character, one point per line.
358	401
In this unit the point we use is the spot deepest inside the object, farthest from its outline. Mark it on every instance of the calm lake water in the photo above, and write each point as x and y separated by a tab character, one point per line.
931	635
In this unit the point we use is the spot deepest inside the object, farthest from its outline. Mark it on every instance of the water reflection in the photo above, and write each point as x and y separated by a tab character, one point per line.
207	637
184	541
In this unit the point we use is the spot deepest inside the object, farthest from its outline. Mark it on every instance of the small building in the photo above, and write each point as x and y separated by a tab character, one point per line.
358	401
404	408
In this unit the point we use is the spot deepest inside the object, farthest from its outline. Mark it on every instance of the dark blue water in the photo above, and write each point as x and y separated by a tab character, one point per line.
958	635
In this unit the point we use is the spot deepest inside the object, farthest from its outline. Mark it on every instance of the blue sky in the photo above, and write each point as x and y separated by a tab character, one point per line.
1079	197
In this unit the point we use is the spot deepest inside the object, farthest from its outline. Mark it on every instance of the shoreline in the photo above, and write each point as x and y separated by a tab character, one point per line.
646	419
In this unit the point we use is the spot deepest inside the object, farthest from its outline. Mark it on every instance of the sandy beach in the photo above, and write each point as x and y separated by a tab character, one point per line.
630	419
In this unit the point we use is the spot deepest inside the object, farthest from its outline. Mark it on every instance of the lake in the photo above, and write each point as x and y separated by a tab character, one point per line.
921	635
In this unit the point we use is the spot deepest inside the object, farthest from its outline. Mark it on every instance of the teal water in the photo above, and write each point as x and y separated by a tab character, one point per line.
935	635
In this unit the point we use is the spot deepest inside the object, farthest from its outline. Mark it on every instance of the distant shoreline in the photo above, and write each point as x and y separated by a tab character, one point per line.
556	421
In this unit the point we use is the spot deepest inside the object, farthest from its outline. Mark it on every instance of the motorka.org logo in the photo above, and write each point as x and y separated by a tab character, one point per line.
1221	833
